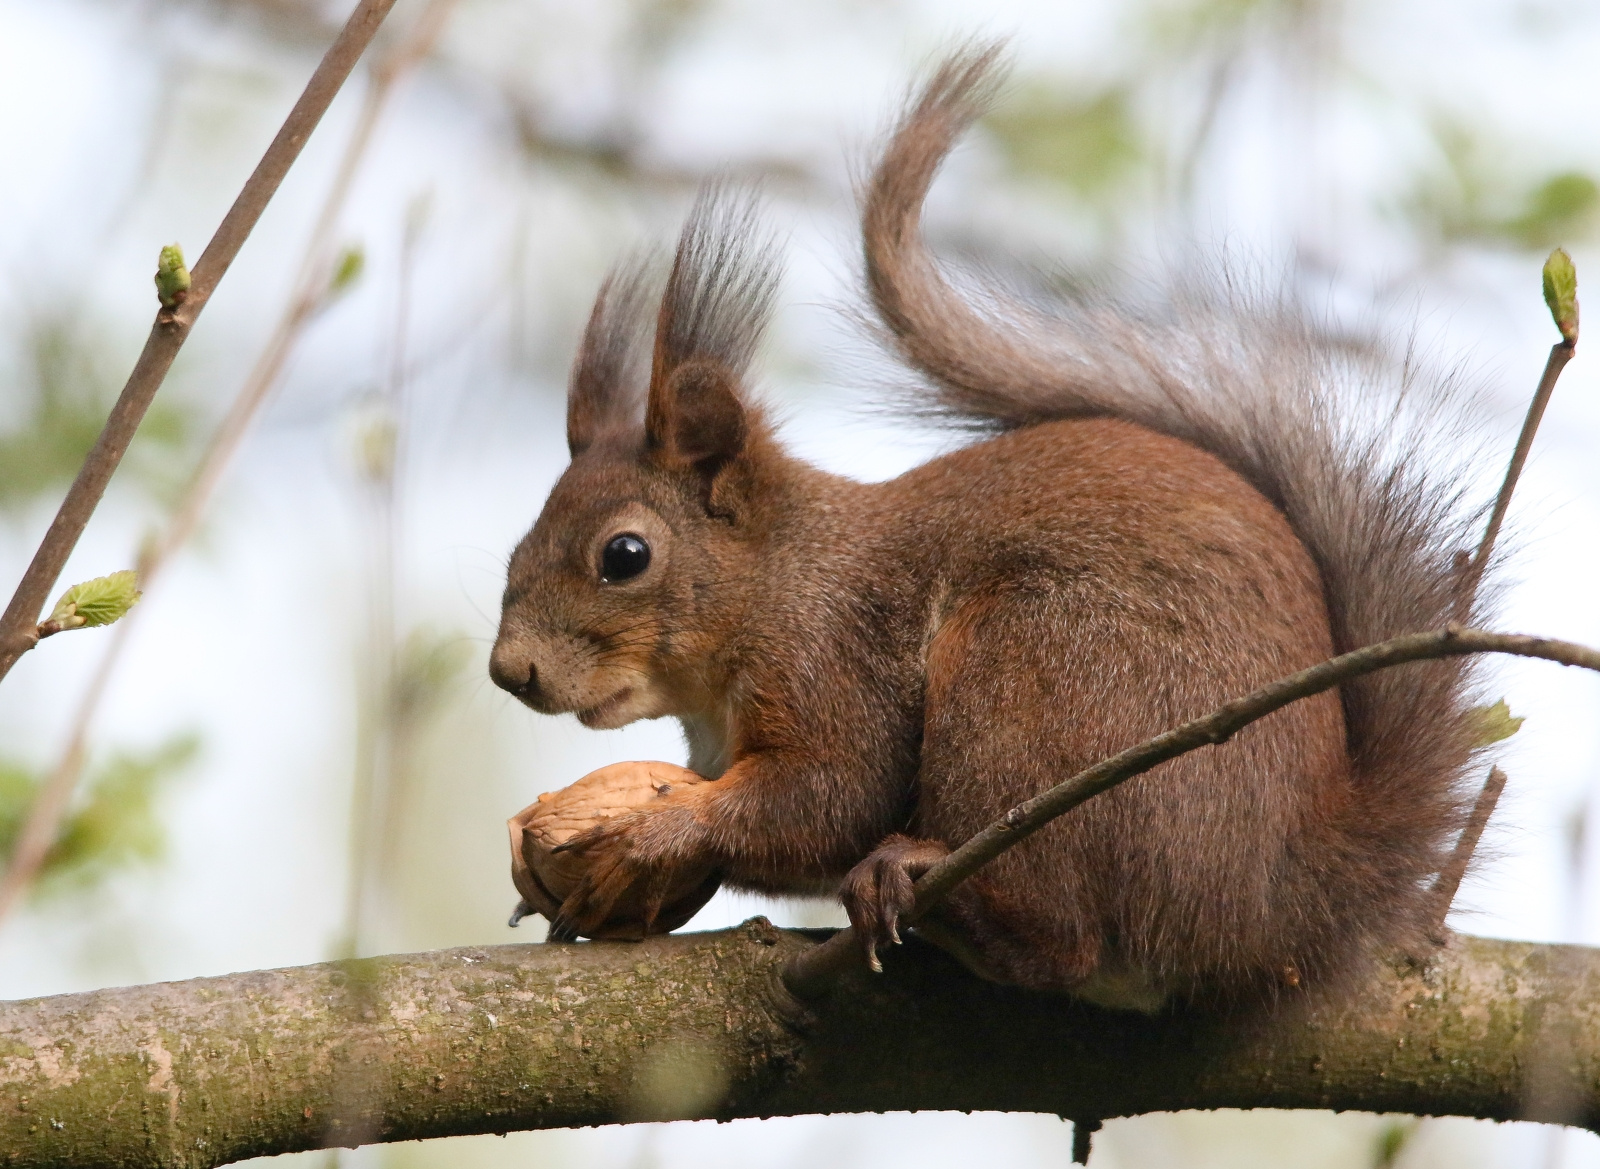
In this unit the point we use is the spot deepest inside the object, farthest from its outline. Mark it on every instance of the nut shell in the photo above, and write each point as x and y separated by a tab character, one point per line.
545	878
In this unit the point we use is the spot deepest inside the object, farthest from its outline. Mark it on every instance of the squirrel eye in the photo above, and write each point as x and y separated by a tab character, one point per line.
624	556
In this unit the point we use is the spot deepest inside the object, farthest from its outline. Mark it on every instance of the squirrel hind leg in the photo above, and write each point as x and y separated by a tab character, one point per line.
1033	916
971	926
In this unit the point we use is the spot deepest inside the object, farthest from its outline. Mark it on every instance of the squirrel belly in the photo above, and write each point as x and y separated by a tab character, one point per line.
1172	508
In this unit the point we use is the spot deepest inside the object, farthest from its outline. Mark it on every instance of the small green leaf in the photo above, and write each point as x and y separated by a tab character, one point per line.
97	602
1561	207
172	278
117	824
376	443
1490	724
347	270
1089	143
1561	293
1392	1140
114	824
57	389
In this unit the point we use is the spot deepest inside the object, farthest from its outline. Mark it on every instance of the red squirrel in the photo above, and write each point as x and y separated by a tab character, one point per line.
1167	511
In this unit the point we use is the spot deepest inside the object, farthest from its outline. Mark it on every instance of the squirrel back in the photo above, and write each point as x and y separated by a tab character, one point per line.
1172	509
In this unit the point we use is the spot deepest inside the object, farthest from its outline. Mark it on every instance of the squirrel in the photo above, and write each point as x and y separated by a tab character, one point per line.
1163	510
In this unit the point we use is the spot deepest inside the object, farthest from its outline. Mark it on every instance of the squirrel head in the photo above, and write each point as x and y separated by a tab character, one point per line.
618	599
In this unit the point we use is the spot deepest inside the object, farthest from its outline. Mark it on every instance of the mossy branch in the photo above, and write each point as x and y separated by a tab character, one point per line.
505	1038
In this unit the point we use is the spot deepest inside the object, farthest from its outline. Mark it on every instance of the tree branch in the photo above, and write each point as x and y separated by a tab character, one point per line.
1444	888
813	970
505	1038
1560	353
311	291
19	624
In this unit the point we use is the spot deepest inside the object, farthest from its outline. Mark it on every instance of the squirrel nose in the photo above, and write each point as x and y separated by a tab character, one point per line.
514	673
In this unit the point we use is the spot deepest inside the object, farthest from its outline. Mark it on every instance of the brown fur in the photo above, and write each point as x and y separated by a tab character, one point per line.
1171	514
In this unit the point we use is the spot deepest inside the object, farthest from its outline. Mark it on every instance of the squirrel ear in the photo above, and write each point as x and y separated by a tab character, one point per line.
695	416
585	418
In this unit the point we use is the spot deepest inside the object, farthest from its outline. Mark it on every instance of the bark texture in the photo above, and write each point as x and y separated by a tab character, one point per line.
504	1038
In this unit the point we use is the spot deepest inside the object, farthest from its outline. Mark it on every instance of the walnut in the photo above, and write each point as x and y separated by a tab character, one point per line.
545	878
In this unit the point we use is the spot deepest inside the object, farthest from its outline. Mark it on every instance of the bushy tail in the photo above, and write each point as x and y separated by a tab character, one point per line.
1341	441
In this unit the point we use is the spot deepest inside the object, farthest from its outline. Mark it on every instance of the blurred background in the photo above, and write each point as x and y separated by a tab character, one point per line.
291	751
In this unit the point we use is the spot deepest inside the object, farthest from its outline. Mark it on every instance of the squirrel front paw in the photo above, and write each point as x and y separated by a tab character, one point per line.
643	858
877	893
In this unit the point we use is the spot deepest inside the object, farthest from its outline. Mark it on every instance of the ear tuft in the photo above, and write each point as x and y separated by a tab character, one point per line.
717	299
720	291
698	419
608	375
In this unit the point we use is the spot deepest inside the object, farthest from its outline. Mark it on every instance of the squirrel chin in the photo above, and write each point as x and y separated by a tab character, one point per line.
626	705
608	713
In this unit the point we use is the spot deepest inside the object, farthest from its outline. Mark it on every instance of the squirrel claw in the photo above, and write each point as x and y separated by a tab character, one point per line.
879	892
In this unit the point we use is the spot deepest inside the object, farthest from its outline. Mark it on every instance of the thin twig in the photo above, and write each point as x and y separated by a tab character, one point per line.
19	623
50	803
1449	879
311	284
381	741
1560	353
1083	1140
812	971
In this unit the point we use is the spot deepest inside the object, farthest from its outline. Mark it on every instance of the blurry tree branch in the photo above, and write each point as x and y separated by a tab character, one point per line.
619	155
616	152
508	1038
1449	880
300	23
319	279
18	625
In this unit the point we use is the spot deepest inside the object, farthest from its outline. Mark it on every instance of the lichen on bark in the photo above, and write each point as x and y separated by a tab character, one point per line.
495	1039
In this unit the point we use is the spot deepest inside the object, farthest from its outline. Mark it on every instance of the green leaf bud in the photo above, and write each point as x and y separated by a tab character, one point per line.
347	269
96	602
376	442
172	278
1490	724
1561	294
